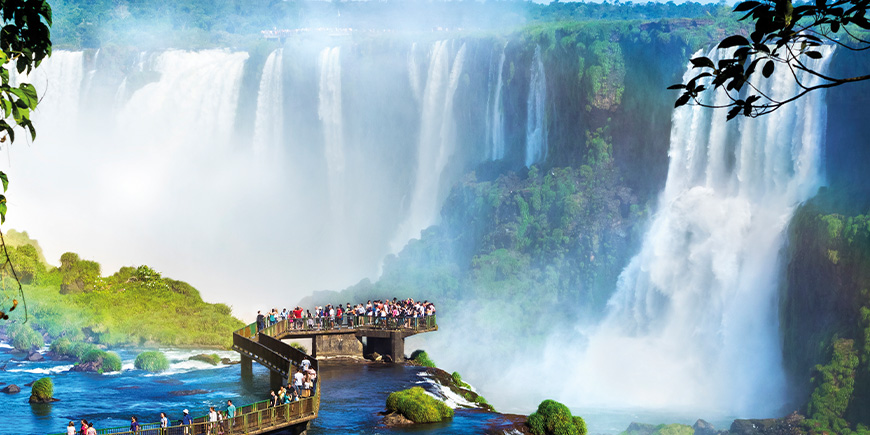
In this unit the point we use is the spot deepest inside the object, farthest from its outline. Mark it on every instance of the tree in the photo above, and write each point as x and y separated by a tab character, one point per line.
24	43
785	36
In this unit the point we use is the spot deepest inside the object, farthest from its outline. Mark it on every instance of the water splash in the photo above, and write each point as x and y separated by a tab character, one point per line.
693	324
269	122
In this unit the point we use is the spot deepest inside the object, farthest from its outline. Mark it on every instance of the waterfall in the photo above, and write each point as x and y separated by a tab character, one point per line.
414	73
693	323
329	112
60	81
436	143
536	116
495	114
269	122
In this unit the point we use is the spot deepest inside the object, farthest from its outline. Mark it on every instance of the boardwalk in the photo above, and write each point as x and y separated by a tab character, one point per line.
266	348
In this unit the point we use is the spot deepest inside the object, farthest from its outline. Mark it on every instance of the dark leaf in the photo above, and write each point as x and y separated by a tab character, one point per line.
733	41
682	100
733	112
678	86
5	179
813	54
767	70
701	62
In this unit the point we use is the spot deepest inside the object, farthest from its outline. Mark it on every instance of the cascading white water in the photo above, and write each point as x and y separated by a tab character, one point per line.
536	112
269	122
693	324
329	112
495	115
436	143
414	73
59	81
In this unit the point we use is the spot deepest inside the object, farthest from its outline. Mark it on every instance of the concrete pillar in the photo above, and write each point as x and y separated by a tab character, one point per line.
275	380
337	345
247	367
397	346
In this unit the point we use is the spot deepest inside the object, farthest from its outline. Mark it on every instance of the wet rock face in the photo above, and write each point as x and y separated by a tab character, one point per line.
702	427
34	399
91	366
34	356
11	389
790	425
395	419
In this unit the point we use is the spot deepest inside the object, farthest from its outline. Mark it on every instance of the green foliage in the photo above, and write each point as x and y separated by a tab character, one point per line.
422	358
554	418
152	361
834	385
299	347
212	359
43	389
418	406
108	361
24	338
457	379
77	275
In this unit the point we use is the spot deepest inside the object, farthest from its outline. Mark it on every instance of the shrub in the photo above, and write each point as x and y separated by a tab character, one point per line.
24	338
418	406
212	359
62	347
457	379
422	358
299	347
554	418
43	389
108	361
152	361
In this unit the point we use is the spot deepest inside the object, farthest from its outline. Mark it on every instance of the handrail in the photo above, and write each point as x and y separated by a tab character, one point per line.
315	324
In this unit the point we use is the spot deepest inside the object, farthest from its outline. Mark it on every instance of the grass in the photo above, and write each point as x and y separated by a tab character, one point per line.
152	361
418	406
554	418
422	358
43	389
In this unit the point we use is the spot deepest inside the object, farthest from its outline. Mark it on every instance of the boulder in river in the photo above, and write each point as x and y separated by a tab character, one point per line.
29	384
392	419
11	389
703	427
227	361
189	392
34	356
212	359
90	366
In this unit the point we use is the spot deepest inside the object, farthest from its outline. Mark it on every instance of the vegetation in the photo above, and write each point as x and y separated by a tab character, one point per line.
418	406
554	418
457	379
785	36
826	314
422	358
106	361
151	361
212	359
299	347
133	306
24	338
43	389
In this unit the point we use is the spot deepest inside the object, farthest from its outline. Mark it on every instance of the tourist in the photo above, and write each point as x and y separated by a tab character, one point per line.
164	421
71	428
261	321
273	400
231	409
134	425
295	396
298	380
186	421
84	430
212	420
312	375
91	430
305	364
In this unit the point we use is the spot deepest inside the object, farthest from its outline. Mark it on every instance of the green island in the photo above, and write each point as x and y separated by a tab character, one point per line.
77	310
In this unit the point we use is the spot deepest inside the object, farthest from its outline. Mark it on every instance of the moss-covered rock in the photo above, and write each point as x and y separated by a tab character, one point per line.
421	358
100	361
417	406
42	391
554	418
152	361
212	359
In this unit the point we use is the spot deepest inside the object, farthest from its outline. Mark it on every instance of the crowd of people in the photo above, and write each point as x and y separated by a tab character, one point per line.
393	313
217	423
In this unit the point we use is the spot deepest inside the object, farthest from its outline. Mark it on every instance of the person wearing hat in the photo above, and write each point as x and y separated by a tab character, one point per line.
186	421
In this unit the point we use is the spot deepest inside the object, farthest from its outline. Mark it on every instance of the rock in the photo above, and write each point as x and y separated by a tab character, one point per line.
210	359
34	399
169	382
189	392
395	419
34	356
91	366
789	425
29	384
641	428
702	427
11	389
374	356
227	361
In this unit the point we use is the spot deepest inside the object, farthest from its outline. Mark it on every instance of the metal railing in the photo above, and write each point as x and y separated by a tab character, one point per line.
249	419
347	322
